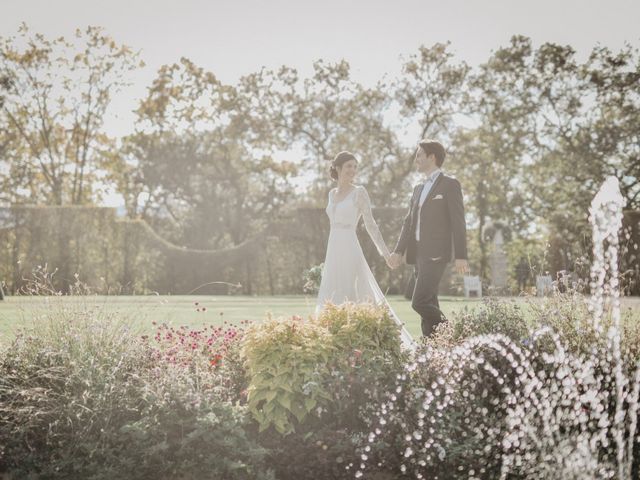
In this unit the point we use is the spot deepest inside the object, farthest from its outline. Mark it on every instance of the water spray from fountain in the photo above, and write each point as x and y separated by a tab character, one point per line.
567	415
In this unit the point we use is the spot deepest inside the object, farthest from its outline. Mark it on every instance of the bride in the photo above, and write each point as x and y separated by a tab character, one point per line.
346	276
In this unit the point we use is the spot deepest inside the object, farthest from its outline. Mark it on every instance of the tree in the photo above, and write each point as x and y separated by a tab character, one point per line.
585	130
5	196
490	155
5	84
326	113
431	97
613	133
53	110
200	155
330	112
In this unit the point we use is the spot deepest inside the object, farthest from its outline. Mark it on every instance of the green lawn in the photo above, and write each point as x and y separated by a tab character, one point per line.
17	312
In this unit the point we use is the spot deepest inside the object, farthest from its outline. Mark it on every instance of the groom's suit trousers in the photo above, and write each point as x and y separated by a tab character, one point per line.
425	293
442	233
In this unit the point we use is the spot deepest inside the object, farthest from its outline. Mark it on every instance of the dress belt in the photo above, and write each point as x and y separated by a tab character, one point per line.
343	226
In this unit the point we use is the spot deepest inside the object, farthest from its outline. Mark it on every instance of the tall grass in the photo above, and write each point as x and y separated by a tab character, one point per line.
85	396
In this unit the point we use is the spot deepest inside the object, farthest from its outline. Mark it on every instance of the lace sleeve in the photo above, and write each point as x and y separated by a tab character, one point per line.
364	207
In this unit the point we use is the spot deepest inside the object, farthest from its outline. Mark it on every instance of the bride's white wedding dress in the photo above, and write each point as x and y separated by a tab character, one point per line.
346	276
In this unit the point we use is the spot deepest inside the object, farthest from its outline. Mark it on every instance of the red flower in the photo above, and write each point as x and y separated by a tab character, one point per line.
216	360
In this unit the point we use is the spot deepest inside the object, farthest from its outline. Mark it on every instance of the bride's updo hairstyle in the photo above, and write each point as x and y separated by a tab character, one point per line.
341	159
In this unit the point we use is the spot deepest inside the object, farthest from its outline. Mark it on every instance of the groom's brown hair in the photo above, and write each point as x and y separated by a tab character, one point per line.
432	147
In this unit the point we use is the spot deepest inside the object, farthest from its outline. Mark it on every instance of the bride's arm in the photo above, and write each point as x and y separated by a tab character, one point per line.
364	206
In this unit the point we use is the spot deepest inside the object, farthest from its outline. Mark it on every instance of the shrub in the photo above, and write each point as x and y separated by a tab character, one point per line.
293	364
286	363
82	396
186	431
364	327
495	316
489	398
65	387
212	353
570	318
350	353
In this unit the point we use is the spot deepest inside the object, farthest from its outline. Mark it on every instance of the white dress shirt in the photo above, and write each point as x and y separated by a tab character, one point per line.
428	184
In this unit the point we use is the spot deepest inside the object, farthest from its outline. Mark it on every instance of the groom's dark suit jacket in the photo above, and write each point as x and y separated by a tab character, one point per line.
442	224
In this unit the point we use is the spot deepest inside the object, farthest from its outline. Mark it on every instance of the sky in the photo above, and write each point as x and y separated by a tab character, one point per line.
234	38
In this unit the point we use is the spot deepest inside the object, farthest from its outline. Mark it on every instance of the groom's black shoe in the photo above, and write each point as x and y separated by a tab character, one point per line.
431	317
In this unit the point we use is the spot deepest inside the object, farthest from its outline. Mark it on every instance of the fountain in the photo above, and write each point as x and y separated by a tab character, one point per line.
570	415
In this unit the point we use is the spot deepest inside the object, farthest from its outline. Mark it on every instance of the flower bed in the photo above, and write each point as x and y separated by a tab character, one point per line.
492	394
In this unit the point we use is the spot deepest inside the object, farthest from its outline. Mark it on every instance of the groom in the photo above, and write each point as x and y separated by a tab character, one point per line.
435	222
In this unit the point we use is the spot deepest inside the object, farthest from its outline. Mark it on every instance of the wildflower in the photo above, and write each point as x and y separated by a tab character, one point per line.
216	360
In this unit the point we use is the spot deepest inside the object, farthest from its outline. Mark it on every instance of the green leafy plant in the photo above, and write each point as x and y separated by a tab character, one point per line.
294	366
285	362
